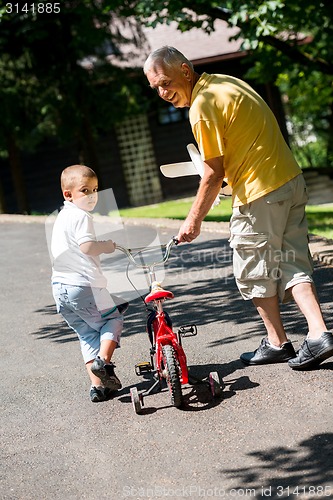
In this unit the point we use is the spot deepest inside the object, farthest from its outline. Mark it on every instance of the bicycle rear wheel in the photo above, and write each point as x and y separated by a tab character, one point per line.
172	376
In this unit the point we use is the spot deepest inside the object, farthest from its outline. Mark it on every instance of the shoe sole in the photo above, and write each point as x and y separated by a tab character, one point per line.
249	363
97	399
312	363
106	380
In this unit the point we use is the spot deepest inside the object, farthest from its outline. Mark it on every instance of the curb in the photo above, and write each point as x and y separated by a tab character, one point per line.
321	249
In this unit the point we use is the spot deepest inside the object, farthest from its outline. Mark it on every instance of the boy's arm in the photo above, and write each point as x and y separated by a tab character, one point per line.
94	248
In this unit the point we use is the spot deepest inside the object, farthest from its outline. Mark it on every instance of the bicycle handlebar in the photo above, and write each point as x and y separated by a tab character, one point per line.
129	253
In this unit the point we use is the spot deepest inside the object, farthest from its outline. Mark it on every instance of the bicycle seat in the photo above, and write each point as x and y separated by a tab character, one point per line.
157	292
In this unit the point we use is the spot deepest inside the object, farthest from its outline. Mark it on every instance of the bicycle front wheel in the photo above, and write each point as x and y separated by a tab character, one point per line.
172	375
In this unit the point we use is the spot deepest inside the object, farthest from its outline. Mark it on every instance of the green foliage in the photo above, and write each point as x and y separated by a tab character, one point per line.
276	23
55	74
320	220
288	43
307	103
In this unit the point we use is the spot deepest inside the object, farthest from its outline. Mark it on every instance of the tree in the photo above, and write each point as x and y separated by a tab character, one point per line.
58	79
267	23
289	42
19	97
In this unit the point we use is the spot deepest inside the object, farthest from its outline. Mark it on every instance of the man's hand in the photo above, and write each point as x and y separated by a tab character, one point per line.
189	230
208	190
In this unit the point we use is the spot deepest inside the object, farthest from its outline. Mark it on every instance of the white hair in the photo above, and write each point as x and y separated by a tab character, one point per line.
168	56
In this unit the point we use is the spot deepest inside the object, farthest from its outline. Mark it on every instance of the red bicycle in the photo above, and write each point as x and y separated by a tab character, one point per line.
167	357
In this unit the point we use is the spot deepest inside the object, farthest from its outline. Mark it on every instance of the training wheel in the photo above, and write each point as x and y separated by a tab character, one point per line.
215	384
135	398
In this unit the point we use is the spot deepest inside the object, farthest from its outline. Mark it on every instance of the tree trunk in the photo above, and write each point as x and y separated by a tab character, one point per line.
330	137
3	209
273	99
88	154
17	175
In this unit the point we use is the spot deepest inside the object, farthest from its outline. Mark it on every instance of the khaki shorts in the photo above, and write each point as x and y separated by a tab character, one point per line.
269	238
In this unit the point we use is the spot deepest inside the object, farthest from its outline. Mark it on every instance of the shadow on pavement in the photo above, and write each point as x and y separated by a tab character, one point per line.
57	331
306	470
200	276
197	395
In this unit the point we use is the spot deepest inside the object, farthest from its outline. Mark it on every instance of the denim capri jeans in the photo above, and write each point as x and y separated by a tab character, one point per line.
77	305
269	238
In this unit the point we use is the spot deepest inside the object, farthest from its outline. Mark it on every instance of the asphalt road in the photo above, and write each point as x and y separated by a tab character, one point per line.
271	435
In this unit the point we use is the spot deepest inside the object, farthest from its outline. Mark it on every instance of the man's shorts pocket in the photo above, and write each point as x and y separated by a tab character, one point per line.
249	256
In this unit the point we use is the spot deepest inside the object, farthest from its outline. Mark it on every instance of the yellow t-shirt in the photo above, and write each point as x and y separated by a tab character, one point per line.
230	119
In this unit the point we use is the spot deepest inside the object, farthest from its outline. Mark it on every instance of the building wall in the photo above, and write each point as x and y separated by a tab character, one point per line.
138	161
41	172
170	141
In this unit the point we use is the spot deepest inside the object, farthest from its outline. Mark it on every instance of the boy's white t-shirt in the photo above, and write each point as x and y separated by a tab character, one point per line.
74	226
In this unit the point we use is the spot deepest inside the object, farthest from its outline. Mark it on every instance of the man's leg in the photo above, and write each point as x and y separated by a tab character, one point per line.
269	310
276	348
270	267
305	297
318	345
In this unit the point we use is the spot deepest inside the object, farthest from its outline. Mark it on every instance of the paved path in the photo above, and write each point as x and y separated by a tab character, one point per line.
271	433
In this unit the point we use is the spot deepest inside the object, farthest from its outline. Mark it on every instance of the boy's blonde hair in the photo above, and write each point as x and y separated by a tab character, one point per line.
71	175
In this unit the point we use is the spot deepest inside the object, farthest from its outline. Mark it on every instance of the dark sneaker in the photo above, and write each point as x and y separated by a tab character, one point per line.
109	393
105	372
97	394
313	352
266	354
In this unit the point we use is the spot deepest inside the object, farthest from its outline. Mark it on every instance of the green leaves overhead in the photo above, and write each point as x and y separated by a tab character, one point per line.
277	24
56	71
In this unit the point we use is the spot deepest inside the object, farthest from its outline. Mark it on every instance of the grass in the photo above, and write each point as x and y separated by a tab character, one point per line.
320	217
320	220
177	209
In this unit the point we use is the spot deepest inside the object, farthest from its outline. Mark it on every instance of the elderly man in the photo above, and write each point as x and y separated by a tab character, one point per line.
239	140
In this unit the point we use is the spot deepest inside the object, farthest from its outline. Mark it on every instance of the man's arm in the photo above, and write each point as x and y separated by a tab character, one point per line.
209	188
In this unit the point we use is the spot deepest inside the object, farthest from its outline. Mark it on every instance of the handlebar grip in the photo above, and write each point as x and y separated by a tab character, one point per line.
174	239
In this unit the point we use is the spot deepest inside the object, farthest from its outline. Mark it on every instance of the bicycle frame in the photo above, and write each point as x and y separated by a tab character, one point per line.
164	335
160	332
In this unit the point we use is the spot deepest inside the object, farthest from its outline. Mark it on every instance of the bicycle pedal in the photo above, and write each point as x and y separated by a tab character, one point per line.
144	367
188	331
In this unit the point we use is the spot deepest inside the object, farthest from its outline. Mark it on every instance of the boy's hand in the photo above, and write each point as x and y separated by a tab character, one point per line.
110	246
94	248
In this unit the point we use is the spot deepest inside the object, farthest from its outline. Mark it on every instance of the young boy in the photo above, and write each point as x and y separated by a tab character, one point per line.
78	285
